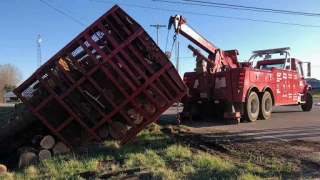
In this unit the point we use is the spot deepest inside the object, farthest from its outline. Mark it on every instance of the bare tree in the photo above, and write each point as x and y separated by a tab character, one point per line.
10	75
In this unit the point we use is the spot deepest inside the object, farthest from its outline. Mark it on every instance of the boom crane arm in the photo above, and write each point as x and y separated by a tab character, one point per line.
217	58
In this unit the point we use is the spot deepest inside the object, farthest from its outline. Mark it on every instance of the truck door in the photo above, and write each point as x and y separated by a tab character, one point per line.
301	81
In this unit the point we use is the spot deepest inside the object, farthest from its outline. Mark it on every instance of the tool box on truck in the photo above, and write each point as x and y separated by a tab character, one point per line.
112	75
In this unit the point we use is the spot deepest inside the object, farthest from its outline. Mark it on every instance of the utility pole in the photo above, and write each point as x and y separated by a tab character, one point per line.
39	43
157	26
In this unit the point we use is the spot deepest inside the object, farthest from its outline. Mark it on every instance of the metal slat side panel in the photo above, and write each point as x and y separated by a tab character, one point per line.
113	59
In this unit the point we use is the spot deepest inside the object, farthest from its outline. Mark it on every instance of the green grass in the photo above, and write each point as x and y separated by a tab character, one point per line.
316	95
158	153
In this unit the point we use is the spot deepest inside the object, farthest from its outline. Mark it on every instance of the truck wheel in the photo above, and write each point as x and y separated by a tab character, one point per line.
251	110
265	106
309	102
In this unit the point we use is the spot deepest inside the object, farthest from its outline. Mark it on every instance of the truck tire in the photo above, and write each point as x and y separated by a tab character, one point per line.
251	110
265	106
309	102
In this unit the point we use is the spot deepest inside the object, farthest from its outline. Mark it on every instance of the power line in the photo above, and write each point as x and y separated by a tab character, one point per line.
63	13
235	7
211	15
68	10
257	8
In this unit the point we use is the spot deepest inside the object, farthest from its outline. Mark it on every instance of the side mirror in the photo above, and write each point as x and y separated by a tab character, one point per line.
309	69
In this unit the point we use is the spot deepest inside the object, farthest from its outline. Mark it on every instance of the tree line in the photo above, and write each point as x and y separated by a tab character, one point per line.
10	77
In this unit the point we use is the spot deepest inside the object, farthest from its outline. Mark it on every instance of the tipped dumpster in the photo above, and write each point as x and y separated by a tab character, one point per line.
112	80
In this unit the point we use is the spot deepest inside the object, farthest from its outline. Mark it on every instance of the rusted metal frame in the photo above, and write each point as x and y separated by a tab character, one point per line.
97	86
138	91
152	100
160	93
65	72
133	87
165	89
54	131
92	56
128	70
140	110
119	48
119	21
112	103
133	25
125	116
171	83
66	107
95	47
43	120
141	58
63	50
102	54
91	102
109	37
130	136
64	124
83	110
134	64
115	82
114	29
123	44
76	63
43	103
24	84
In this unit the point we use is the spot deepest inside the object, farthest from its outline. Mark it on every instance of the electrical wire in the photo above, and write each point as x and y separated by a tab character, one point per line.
211	15
256	8
208	4
68	10
63	13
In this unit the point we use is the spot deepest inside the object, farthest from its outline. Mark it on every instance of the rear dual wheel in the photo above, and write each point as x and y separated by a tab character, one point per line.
255	107
265	106
252	107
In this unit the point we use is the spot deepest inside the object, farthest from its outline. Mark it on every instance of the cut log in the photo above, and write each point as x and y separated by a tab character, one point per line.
3	169
47	142
28	158
121	127
44	154
103	132
60	148
17	121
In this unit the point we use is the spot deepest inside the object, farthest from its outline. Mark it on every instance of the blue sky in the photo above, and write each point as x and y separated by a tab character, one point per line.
22	20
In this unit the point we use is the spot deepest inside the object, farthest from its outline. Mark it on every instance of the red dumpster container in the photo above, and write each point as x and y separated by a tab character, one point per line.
111	75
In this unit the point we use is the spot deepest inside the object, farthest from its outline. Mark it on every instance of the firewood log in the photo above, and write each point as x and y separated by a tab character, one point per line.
60	148
121	126
3	169
44	154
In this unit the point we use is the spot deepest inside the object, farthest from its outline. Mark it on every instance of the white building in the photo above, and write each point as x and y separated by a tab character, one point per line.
9	97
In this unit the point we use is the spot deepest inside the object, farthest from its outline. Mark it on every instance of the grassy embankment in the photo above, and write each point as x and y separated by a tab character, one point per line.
163	153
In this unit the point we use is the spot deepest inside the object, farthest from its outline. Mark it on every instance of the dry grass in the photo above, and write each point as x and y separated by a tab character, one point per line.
158	153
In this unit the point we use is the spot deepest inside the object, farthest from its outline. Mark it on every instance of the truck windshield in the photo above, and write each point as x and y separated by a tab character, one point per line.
269	66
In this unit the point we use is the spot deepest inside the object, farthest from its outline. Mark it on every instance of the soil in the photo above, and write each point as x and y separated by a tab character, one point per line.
303	155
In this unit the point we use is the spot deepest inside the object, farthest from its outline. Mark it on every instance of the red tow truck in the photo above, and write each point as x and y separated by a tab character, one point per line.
221	86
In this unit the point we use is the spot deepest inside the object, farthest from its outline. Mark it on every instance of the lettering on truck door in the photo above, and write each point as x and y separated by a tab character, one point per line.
279	87
290	88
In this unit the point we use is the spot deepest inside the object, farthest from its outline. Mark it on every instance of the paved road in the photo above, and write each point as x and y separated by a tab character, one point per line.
286	122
